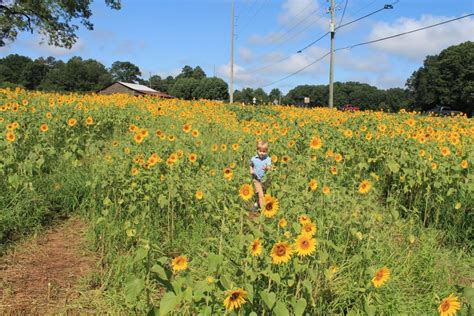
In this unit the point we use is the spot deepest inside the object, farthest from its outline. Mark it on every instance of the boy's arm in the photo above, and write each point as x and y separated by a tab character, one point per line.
252	171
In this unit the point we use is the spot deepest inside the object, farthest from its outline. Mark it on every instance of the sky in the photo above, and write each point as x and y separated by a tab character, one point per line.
162	36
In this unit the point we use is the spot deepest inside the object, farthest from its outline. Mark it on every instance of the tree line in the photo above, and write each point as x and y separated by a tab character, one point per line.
446	79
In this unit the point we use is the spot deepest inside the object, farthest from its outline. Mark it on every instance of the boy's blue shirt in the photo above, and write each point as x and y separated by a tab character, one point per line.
258	165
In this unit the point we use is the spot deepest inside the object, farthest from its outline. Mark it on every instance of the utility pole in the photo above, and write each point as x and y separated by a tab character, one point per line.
331	63
231	92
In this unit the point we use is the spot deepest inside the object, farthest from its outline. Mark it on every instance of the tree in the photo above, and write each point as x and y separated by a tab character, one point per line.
446	79
52	18
14	65
184	88
275	94
261	96
186	72
33	74
198	73
125	71
211	89
77	75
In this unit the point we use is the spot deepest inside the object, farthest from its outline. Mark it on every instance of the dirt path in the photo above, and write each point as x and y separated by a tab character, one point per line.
41	276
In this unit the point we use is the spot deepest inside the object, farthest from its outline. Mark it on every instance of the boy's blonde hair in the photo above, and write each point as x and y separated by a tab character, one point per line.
262	144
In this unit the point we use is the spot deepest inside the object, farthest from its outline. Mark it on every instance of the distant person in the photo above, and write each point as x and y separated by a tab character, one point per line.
259	164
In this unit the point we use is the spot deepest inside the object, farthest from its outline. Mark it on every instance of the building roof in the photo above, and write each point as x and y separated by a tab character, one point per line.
141	88
138	87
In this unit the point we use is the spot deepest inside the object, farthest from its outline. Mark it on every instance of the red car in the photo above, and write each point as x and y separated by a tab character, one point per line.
348	107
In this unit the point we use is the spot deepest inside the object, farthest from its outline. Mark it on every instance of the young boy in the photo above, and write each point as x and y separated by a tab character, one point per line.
260	163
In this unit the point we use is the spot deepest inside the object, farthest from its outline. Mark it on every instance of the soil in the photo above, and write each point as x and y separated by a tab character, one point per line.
41	276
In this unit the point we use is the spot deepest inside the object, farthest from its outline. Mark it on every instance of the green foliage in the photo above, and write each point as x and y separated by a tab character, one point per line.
184	88
211	89
53	18
446	79
125	71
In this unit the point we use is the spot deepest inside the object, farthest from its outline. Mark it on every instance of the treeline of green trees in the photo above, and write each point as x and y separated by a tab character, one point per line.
446	79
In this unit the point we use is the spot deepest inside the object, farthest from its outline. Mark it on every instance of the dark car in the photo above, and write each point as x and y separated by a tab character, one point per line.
348	107
443	111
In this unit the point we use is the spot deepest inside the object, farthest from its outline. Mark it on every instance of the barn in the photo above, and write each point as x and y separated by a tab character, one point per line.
132	89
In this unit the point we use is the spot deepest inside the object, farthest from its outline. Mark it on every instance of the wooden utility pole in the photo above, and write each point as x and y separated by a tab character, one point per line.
331	62
231	88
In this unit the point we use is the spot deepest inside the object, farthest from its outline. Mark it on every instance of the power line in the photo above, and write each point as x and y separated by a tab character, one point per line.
251	18
387	6
298	71
404	33
343	12
369	42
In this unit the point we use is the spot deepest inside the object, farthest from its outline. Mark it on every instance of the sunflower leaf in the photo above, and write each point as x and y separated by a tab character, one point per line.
168	302
280	309
269	298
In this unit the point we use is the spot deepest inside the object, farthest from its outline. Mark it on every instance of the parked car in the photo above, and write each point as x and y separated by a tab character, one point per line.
443	111
348	107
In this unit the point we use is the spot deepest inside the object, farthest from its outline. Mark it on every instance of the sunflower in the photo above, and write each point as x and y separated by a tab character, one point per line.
158	133
214	147
365	186
315	143
445	151
179	263
285	159
135	171
421	153
235	147
304	219
228	174
281	252
44	127
192	157
71	122
313	185
246	192
89	120
199	195
368	136
348	133
256	248
270	207
333	170
449	306
338	157
305	245
464	164
274	158
326	190
138	138
282	223
235	299
223	147
195	133
308	229
187	128
381	276
10	136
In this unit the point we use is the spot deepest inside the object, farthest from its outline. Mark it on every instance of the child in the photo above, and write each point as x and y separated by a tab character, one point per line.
258	165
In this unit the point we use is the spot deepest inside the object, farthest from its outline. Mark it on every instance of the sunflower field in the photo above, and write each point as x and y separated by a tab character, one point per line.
366	213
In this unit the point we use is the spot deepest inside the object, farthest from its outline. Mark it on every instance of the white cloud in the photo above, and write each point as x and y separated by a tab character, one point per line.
37	44
245	54
375	63
296	19
418	45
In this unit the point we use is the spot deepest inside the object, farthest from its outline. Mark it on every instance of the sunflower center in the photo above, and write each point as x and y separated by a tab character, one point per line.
280	250
445	306
304	244
379	275
245	191
234	296
269	206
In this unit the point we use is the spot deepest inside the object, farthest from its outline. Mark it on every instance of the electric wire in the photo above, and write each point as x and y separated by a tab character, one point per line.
369	42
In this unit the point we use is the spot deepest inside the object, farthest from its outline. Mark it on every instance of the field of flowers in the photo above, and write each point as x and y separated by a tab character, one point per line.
367	213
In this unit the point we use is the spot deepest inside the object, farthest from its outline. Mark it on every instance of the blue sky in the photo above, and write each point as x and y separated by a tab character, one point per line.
162	36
